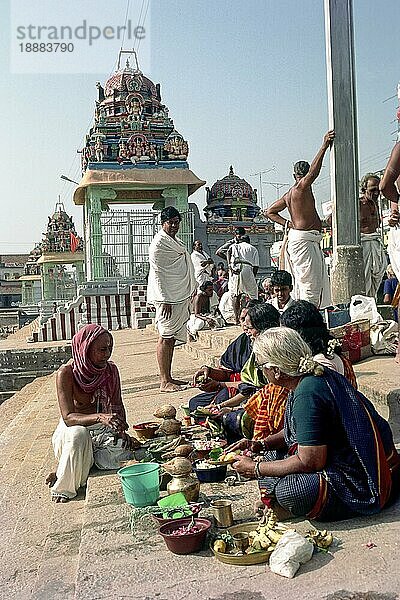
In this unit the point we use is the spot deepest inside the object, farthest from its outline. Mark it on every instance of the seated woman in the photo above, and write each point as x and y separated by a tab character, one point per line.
305	318
212	380
335	457
92	428
236	421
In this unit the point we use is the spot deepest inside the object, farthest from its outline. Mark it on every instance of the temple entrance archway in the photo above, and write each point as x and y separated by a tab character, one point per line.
125	239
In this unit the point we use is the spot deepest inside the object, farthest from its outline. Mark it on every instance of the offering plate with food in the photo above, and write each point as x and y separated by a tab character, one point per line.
249	543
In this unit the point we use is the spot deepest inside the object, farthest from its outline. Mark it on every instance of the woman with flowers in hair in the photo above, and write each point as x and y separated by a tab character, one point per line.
306	319
335	457
92	428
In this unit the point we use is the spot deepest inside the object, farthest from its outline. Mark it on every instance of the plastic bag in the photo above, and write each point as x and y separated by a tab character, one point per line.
384	337
364	307
291	551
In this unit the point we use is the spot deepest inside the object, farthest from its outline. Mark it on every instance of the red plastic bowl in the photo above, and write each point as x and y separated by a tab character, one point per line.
187	543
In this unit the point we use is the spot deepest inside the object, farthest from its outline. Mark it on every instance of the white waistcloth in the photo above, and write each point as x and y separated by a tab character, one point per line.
201	274
243	258
274	302
77	448
394	250
305	261
375	262
171	276
175	326
226	308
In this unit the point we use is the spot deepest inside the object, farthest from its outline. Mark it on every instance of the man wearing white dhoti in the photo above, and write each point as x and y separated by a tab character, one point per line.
205	311
202	263
374	255
391	192
304	258
92	428
170	286
243	263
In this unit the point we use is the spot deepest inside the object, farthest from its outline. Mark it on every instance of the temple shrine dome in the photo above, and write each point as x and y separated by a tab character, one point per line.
231	186
130	80
231	197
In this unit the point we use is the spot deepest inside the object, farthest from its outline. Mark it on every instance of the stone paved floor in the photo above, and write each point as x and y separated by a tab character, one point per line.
85	549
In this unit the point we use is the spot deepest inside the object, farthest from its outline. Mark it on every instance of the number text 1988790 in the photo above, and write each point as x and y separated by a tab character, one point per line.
47	47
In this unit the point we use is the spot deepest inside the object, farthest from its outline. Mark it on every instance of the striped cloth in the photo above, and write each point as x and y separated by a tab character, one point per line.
267	409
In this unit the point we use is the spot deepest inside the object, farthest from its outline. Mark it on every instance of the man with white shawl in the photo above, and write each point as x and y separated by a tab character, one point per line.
304	257
202	263
243	262
374	255
170	286
391	192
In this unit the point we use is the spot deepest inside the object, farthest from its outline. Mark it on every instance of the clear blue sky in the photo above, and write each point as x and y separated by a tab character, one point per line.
245	83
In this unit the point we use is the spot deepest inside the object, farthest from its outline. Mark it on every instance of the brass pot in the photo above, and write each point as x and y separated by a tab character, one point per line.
189	485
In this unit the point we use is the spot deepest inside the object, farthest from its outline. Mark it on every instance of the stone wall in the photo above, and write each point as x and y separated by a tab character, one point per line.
20	367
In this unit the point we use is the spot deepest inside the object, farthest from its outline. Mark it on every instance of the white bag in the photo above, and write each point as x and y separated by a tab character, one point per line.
364	307
384	337
291	551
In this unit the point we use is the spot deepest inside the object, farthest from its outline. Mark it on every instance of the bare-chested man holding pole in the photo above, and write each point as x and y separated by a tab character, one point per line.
305	259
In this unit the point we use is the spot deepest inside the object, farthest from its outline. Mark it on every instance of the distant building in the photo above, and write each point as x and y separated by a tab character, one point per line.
232	202
11	269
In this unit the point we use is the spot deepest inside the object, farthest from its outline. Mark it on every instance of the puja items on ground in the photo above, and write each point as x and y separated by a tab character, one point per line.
169	425
292	550
210	473
252	543
212	448
183	480
185	536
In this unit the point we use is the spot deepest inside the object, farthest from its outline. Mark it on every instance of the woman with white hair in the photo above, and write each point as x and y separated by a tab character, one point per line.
335	457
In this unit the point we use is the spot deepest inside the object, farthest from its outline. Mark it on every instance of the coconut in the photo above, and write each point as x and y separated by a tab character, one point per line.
183	450
170	427
178	466
167	411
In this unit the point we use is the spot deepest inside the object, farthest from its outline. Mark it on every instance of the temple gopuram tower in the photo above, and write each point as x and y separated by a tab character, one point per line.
133	155
61	260
232	202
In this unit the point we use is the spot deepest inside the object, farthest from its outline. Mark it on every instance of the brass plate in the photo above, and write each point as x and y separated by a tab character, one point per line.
246	559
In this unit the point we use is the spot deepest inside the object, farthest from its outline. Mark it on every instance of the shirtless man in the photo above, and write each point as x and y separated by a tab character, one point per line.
205	306
305	259
391	192
373	251
92	428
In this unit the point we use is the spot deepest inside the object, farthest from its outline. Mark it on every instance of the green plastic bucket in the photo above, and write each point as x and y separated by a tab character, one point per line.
140	483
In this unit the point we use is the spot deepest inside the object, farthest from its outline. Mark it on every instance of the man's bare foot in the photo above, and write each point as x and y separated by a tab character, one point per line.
179	382
171	387
50	479
281	513
59	499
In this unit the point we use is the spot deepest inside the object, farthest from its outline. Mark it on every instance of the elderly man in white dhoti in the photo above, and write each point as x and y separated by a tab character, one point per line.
391	192
375	261
170	286
243	262
202	263
304	258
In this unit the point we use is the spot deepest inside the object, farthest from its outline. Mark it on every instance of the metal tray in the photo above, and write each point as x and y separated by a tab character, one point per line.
246	559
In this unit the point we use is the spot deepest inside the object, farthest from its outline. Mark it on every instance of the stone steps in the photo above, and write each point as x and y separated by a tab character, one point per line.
25	516
211	345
